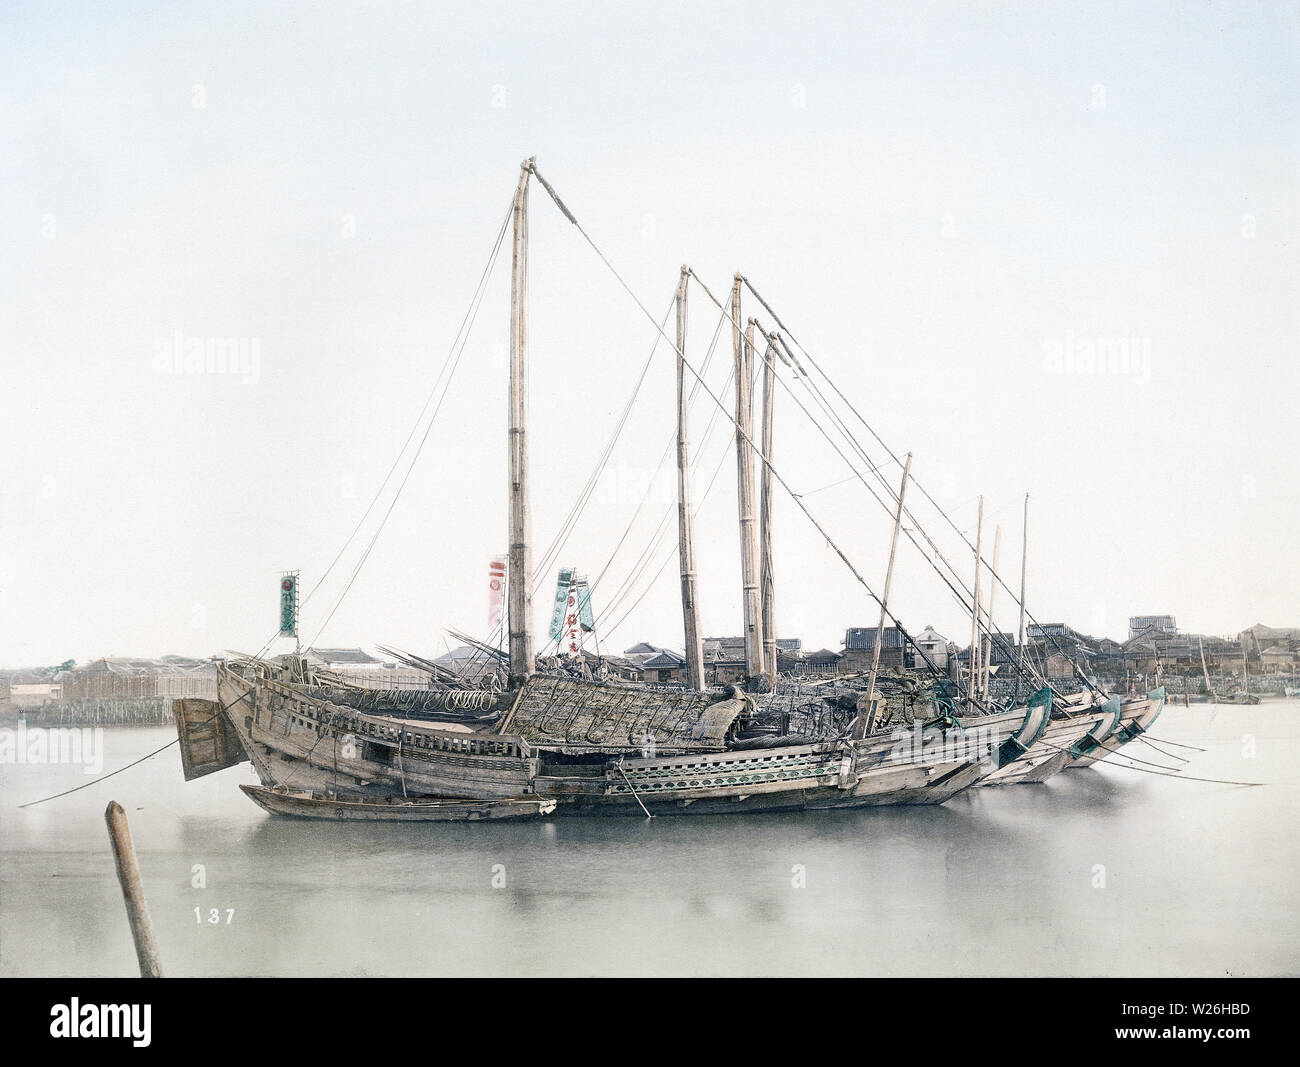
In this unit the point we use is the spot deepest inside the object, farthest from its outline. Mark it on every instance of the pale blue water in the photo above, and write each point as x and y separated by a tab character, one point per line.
1200	879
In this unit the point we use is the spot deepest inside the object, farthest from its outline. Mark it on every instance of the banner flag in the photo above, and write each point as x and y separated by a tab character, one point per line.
496	590
562	584
289	604
585	616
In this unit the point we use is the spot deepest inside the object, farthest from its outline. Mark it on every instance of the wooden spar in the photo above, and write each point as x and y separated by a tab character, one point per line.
128	874
974	657
767	595
749	563
685	535
1024	560
866	723
520	577
1206	671
993	592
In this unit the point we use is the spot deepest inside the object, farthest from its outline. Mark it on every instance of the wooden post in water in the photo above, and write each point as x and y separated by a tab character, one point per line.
1024	560
972	664
128	873
866	723
749	562
520	578
685	534
993	593
767	595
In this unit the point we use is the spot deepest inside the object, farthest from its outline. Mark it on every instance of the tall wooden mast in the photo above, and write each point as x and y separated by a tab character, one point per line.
1024	560
993	592
749	562
520	580
972	663
767	595
867	720
685	535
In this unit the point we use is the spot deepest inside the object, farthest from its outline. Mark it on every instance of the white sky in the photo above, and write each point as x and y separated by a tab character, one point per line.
962	194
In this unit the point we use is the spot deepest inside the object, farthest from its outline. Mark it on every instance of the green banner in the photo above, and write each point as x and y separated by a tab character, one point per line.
289	605
562	584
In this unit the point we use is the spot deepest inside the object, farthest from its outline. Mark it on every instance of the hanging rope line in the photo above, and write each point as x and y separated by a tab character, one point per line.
134	763
557	544
1166	741
1168	755
465	323
454	358
102	777
662	530
1165	773
758	452
921	488
772	343
584	496
726	451
772	346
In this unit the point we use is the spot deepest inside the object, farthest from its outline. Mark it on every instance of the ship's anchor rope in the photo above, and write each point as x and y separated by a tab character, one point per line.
1166	741
1166	773
1170	755
110	774
633	788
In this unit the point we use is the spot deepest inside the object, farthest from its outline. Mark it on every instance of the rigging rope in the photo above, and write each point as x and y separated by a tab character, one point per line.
758	452
1165	773
557	544
465	323
472	316
772	347
924	492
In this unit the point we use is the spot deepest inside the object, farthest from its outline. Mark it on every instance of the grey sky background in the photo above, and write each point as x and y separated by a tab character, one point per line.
949	205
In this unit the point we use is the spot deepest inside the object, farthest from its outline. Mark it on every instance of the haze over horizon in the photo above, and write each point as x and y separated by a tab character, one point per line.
958	212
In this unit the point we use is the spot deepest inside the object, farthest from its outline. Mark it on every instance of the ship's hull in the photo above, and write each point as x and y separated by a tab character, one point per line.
1137	715
1056	749
394	809
307	749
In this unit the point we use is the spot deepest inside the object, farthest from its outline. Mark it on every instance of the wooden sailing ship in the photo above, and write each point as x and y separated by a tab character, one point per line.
548	743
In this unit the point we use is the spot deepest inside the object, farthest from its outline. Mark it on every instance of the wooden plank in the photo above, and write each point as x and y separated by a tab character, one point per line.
209	742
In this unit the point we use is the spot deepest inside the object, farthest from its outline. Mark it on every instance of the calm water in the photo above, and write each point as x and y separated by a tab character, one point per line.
1200	878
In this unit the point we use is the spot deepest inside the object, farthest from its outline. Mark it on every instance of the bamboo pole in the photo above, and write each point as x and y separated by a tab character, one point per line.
128	874
749	563
1024	560
685	533
993	592
974	656
520	577
1206	671
767	595
867	723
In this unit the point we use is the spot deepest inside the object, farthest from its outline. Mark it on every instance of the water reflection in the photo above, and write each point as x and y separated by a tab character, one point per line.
1194	879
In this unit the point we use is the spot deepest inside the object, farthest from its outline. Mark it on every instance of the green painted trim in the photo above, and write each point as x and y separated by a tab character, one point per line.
1091	741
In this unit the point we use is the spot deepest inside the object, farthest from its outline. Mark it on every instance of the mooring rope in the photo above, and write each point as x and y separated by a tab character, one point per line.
1166	741
87	785
633	788
1166	773
1170	755
103	777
